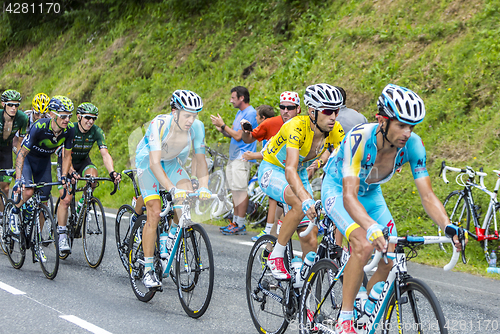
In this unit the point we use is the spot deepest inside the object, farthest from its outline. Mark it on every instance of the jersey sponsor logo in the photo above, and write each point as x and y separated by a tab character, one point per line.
179	171
280	140
266	178
40	125
155	187
390	225
329	203
368	157
420	162
355	141
420	170
48	143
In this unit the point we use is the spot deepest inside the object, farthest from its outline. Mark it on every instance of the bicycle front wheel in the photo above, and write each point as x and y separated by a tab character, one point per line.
417	311
194	270
457	209
13	244
94	233
491	241
321	299
48	243
122	232
136	262
265	294
3	200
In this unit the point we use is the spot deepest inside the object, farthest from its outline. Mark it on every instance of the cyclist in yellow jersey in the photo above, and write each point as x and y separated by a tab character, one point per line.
301	141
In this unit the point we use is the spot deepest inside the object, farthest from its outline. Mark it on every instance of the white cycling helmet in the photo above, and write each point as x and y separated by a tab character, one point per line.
323	96
401	103
186	100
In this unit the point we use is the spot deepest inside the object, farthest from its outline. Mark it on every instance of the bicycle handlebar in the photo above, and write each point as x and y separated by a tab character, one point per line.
468	170
165	211
317	207
92	179
417	240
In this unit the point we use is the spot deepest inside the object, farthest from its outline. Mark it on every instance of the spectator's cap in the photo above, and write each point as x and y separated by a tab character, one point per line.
290	97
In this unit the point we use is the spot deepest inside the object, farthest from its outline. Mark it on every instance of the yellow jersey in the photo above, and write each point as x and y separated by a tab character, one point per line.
297	133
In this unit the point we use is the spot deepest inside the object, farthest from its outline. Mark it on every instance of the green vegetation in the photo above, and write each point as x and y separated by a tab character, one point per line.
128	57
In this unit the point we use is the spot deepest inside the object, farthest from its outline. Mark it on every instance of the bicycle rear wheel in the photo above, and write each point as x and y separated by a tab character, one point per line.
136	262
321	299
417	311
3	200
122	232
14	245
491	231
48	243
94	232
194	271
264	291
459	213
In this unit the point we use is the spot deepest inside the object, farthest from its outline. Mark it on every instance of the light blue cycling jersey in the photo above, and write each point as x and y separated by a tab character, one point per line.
156	139
357	153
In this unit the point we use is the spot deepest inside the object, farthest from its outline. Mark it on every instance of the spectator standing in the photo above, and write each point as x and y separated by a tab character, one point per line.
238	169
347	117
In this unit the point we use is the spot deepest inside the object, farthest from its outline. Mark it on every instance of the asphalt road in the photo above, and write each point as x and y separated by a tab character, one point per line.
82	300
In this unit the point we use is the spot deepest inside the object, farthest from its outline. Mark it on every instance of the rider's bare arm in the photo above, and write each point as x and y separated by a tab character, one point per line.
291	175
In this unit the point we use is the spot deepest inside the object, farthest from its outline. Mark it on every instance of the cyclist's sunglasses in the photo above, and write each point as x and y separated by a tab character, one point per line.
328	112
282	107
88	118
10	104
63	116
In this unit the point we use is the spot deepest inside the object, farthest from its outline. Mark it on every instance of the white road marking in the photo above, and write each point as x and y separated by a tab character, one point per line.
110	215
10	289
84	324
71	318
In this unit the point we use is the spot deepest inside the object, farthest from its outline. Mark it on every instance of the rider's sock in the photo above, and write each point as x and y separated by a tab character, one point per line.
268	228
346	316
241	221
148	264
62	230
235	220
278	251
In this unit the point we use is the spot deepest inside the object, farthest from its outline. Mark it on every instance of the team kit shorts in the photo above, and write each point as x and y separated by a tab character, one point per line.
149	185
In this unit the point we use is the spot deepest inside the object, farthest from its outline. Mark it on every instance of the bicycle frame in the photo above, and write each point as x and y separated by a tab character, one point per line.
467	193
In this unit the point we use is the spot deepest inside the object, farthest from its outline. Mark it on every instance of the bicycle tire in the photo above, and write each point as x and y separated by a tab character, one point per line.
15	245
320	305
122	232
136	262
458	211
94	232
268	315
421	311
48	241
489	245
194	260
3	198
69	231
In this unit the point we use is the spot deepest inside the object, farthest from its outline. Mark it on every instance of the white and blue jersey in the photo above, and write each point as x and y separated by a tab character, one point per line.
356	156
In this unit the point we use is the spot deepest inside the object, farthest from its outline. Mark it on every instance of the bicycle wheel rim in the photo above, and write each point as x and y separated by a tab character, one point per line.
122	232
321	299
94	233
48	243
14	245
3	200
136	263
421	313
267	313
195	271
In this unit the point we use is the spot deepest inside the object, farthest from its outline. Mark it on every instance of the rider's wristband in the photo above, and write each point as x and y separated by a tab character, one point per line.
307	204
223	127
373	232
451	230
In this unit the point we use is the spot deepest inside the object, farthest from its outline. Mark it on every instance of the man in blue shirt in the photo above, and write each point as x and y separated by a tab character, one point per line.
238	170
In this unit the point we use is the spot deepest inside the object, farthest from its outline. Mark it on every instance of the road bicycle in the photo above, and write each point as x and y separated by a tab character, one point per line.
123	221
191	251
461	208
39	233
406	304
3	200
89	222
273	304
